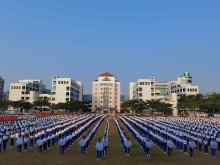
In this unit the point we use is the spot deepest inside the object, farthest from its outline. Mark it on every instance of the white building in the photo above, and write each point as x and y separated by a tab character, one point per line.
25	90
183	86
106	93
65	89
1	88
147	89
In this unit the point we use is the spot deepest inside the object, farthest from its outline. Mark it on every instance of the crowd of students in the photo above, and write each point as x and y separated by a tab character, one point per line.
43	133
183	134
170	134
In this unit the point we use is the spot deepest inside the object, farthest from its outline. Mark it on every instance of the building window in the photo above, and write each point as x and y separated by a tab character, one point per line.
140	89
67	88
67	93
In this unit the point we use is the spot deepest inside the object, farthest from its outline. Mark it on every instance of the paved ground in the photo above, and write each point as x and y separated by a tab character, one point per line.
115	157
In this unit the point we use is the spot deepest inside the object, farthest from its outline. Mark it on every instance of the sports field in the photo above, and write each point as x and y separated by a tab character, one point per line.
115	156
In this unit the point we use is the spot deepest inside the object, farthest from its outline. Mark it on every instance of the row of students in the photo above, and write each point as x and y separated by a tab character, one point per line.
102	144
186	137
69	138
85	140
146	143
168	142
125	141
45	139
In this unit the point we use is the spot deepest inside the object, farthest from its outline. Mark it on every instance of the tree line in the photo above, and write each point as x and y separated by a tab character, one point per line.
151	106
209	104
41	105
201	103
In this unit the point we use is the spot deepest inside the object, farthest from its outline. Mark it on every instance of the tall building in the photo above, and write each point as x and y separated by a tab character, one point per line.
25	90
1	88
147	89
65	89
106	93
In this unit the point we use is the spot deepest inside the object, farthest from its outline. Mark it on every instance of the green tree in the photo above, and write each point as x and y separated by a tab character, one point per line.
211	103
21	105
134	106
4	105
190	104
159	106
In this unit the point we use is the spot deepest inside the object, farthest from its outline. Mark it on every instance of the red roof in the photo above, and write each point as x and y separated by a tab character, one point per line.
106	74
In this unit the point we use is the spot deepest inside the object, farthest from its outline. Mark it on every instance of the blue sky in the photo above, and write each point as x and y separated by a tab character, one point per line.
132	39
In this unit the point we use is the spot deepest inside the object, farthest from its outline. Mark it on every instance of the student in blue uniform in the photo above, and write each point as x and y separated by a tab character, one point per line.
99	149
19	143
26	142
127	144
206	146
39	143
61	144
82	145
12	139
218	141
170	147
214	147
105	143
192	146
5	142
147	145
1	143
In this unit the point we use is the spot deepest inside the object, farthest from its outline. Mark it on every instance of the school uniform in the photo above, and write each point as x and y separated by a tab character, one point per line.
1	141
105	143
26	142
214	147
82	146
147	145
99	150
39	143
218	141
5	142
206	146
192	147
61	144
170	147
19	144
127	144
